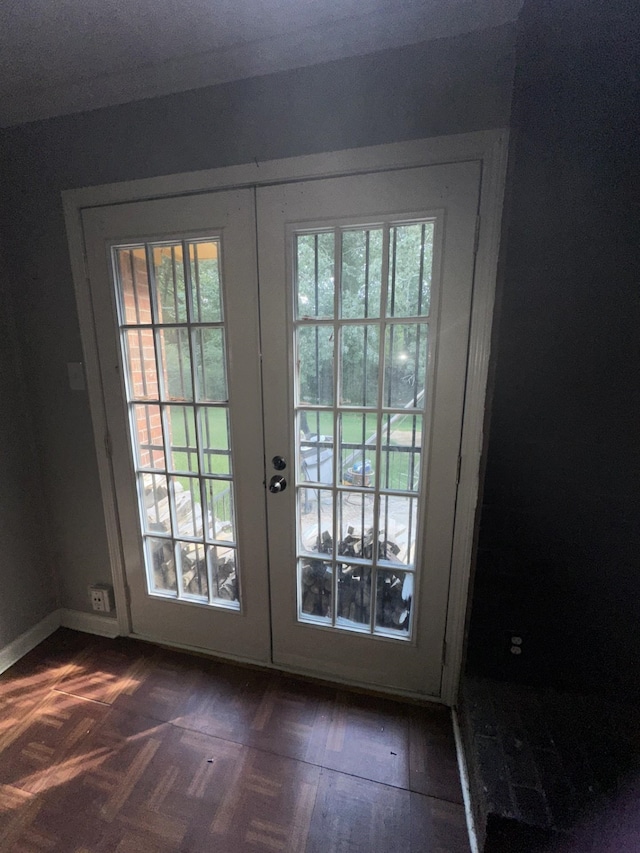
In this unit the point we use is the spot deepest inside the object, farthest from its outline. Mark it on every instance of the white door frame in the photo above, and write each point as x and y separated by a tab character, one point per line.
490	147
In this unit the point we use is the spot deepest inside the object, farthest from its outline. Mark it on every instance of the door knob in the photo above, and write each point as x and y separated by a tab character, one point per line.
277	484
279	463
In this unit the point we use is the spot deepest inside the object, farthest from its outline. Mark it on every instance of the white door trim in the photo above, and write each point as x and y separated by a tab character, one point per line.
490	147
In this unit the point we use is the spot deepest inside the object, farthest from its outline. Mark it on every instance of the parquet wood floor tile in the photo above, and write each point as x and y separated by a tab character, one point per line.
48	743
433	764
367	742
362	816
120	747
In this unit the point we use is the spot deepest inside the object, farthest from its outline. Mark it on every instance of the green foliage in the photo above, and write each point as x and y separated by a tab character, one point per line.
360	297
206	307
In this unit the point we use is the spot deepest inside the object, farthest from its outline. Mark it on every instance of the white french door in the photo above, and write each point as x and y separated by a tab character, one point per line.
284	372
175	301
366	288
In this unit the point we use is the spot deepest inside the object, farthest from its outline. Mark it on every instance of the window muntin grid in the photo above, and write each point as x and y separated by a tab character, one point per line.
172	334
362	302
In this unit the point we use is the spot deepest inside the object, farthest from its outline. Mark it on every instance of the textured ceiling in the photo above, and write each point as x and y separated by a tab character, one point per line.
62	56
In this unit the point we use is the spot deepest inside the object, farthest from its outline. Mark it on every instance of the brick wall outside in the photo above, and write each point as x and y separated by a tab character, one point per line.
137	309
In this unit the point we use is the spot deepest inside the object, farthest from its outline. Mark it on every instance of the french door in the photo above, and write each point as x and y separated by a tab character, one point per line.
283	370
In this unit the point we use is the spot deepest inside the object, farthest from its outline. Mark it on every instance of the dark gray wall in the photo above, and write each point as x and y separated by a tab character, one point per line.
441	87
26	575
559	550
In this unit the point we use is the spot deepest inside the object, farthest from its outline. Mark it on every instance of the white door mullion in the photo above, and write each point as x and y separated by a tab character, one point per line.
162	395
384	290
337	392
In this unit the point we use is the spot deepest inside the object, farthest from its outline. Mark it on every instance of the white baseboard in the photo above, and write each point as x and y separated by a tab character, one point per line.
29	640
90	623
464	780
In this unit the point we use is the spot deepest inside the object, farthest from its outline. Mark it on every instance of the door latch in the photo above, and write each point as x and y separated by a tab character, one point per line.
277	484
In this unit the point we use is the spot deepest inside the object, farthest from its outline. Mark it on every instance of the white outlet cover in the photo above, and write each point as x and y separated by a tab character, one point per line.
75	372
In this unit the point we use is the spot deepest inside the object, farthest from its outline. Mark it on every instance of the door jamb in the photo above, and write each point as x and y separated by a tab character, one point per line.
490	148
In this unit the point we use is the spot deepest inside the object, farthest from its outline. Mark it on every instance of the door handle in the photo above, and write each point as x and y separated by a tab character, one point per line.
277	484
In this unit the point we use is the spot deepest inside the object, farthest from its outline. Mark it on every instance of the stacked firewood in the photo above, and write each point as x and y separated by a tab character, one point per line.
194	570
394	588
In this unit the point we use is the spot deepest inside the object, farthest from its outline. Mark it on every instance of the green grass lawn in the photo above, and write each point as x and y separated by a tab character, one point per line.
352	425
217	437
352	433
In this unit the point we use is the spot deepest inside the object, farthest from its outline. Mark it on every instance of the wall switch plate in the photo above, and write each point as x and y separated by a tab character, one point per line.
101	597
75	372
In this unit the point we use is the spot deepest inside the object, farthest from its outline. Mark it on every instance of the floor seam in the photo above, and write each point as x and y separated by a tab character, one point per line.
82	698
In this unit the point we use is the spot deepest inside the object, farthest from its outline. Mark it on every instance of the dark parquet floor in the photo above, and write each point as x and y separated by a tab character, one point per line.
116	746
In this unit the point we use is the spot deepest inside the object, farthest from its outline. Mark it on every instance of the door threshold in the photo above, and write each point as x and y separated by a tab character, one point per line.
359	688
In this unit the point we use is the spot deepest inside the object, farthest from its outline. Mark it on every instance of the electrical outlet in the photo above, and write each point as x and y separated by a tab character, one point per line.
97	599
100	596
515	641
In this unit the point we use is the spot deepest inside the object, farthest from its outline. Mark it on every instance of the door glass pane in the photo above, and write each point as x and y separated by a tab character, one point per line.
220	511
315	427
171	320
394	595
360	513
315	365
185	494
210	356
397	526
354	597
401	450
405	360
221	562
193	569
315	520
356	531
161	565
134	294
361	273
411	261
168	273
358	440
315	272
316	448
184	443
148	436
205	282
359	356
316	590
215	439
141	364
154	496
174	356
